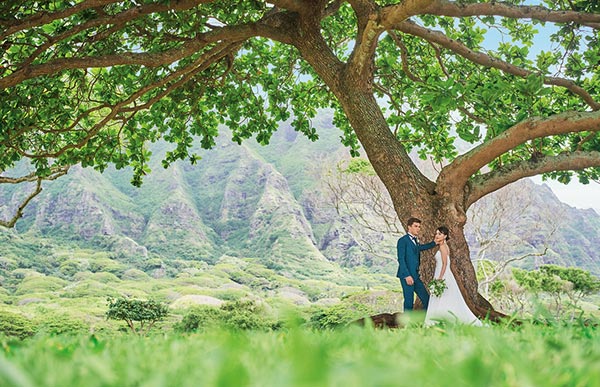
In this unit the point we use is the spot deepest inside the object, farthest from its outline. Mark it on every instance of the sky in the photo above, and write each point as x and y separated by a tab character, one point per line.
575	194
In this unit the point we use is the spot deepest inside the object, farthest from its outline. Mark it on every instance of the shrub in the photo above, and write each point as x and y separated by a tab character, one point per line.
337	315
88	288
245	315
4	293
57	325
242	315
134	274
69	268
200	318
13	324
105	278
39	284
107	265
231	295
558	282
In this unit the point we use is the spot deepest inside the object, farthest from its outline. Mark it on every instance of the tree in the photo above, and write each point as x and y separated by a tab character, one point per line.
358	197
145	312
355	189
93	81
558	281
493	219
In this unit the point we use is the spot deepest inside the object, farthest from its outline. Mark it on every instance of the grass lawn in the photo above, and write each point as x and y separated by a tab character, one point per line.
527	355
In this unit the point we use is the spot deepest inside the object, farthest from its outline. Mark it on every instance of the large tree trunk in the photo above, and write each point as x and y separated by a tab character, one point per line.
415	195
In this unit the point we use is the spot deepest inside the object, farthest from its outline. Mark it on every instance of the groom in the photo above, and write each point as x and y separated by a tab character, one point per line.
409	251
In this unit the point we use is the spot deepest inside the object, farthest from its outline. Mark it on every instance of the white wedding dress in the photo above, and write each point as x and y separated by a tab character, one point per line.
450	306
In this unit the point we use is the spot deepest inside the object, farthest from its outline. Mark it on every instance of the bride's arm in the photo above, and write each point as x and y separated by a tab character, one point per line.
444	253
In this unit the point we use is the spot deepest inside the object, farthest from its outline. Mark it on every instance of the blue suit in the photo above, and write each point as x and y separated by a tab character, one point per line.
409	258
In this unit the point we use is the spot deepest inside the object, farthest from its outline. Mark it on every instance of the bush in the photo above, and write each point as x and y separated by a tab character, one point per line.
337	315
105	278
107	265
39	284
134	274
4	293
245	315
242	315
88	288
558	282
69	268
200	318
13	324
58	325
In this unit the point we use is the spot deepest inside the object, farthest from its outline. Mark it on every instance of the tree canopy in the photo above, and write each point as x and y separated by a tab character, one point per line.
92	82
464	82
131	310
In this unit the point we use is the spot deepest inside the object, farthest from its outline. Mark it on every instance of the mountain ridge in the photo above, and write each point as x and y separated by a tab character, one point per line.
270	203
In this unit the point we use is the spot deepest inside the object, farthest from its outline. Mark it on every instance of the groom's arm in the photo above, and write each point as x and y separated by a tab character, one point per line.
427	246
401	250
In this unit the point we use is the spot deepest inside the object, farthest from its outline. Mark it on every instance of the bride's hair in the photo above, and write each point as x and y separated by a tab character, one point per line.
444	230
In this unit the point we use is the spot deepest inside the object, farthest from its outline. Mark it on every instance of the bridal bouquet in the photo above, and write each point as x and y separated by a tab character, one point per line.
437	287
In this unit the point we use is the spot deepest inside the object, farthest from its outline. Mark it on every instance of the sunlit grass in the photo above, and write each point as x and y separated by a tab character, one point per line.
528	355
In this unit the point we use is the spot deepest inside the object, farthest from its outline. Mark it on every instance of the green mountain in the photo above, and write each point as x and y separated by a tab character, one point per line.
268	204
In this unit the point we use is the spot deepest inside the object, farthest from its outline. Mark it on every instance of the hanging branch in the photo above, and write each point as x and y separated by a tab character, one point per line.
10	223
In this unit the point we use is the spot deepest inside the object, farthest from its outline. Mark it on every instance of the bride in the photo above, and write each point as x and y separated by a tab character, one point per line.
450	306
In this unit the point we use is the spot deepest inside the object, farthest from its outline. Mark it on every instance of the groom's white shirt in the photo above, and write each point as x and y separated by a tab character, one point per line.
413	238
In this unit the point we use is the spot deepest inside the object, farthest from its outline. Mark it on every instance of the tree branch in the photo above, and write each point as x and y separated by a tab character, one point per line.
394	14
501	266
371	23
229	34
41	18
587	138
290	5
466	165
333	7
116	20
404	57
57	172
455	9
491	181
488	61
360	64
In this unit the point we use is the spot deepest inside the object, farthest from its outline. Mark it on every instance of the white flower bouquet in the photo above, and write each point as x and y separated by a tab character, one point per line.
437	287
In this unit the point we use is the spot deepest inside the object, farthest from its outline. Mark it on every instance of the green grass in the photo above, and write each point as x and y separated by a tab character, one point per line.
528	355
